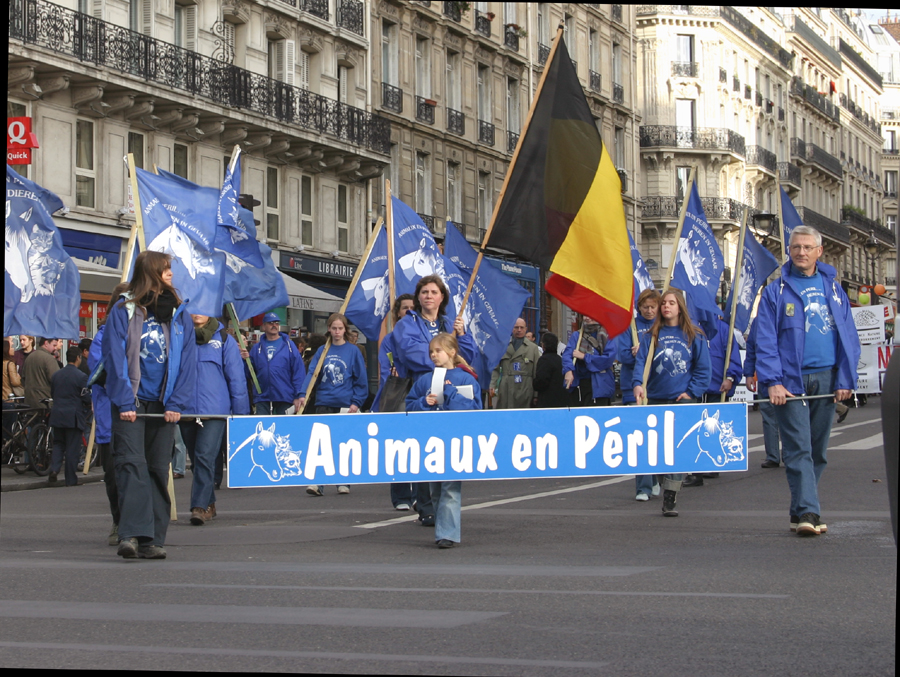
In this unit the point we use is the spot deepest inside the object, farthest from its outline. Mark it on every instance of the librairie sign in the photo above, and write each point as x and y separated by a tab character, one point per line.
269	451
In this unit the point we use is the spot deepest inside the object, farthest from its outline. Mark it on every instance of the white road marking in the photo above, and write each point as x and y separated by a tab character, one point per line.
863	444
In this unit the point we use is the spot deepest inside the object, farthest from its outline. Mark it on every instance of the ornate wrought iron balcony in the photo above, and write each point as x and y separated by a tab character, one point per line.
694	10
482	24
100	43
543	53
512	139
828	227
798	148
616	11
824	159
618	93
391	97
596	80
486	132
350	16
867	225
686	69
700	138
716	208
761	157
780	114
789	173
452	10
425	110
511	38
317	8
456	122
428	220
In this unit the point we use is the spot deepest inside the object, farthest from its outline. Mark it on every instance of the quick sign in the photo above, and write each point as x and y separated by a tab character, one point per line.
19	141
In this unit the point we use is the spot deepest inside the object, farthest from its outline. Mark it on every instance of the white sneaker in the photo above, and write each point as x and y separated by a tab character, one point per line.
642	497
655	490
343	489
402	506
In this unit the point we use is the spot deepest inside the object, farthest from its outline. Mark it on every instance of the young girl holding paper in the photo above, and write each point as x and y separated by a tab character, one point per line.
453	386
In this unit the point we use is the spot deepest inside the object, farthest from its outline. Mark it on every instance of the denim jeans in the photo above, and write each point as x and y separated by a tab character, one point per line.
203	443
447	497
805	427
142	453
322	409
402	492
179	454
109	480
643	484
672	481
771	436
271	408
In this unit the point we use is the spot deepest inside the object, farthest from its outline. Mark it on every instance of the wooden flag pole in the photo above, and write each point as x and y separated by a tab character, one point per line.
687	197
780	212
389	224
350	290
512	164
240	339
735	288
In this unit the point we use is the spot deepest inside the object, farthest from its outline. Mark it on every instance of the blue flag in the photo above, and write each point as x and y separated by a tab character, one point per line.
370	301
790	219
757	264
41	294
416	254
642	279
236	233
253	290
494	305
698	266
179	219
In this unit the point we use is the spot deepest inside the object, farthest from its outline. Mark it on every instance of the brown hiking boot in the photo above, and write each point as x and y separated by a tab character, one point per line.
198	517
211	511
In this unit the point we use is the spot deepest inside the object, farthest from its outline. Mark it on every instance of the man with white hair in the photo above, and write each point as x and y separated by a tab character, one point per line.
806	345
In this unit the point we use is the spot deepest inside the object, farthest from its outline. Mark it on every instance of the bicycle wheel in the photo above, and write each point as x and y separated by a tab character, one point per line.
18	452
40	446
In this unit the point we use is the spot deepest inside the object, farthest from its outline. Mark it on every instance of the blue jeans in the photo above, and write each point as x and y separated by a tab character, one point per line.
203	444
401	492
271	408
672	481
643	484
447	497
179	455
805	427
771	437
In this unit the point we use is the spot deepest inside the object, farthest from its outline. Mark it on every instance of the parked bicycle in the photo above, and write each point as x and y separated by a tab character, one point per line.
28	443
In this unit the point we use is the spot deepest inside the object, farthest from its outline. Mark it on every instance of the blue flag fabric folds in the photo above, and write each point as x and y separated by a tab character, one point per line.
41	294
757	264
236	233
642	279
790	219
370	301
698	266
494	305
179	218
415	252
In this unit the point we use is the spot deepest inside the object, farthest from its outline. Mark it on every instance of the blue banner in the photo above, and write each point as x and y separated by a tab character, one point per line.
236	234
41	291
370	301
179	218
270	451
642	279
698	266
756	266
790	219
494	305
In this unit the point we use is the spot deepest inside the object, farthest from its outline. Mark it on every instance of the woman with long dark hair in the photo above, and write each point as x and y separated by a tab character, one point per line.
680	370
149	354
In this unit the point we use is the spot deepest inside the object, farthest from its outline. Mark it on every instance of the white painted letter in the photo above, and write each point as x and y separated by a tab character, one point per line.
350	449
406	452
635	439
652	442
612	449
434	460
486	446
464	463
521	451
669	437
546	446
320	453
587	434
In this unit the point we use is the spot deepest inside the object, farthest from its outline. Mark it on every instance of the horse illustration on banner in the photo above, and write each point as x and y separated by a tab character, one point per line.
271	453
716	439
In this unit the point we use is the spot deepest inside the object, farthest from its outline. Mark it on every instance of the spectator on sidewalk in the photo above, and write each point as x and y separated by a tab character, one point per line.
68	416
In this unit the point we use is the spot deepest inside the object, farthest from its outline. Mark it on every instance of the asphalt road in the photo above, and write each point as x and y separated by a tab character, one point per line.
553	577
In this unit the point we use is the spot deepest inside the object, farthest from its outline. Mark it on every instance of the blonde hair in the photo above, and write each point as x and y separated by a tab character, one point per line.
448	342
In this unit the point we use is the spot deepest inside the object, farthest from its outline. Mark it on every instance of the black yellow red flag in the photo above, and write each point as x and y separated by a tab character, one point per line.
562	207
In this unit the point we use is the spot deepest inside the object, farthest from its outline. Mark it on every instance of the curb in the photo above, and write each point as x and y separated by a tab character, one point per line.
25	482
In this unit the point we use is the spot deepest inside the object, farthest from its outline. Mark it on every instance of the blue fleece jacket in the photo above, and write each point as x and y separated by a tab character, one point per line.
100	399
781	340
342	380
717	349
181	360
221	383
281	378
411	339
676	367
453	401
596	367
624	343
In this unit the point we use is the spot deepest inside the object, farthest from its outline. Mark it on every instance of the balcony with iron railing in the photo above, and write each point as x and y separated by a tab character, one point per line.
483	23
425	110
761	157
866	226
696	138
428	220
512	139
595	81
317	8
821	157
618	93
89	40
453	11
826	226
350	16
486	132
716	208
686	69
789	173
543	53
391	98
456	122
798	148
857	112
511	37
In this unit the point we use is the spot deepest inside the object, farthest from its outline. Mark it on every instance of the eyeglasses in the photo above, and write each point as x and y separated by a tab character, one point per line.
805	248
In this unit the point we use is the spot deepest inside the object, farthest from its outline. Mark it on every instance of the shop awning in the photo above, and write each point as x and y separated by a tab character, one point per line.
307	297
96	277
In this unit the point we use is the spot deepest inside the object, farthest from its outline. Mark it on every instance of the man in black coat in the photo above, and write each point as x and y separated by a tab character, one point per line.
68	416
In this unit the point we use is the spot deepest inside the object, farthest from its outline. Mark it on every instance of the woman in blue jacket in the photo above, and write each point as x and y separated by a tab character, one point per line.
220	390
149	354
648	309
679	372
412	337
447	496
587	364
342	383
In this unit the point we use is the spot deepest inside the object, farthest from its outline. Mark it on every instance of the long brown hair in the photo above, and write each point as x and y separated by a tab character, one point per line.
687	327
431	279
146	282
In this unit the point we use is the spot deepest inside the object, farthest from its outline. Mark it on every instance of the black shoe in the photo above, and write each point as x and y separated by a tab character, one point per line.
770	464
51	478
709	475
426	520
444	544
128	548
692	481
844	415
668	507
808	525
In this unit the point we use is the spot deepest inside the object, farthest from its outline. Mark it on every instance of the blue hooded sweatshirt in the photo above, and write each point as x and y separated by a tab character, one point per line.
342	380
281	378
596	367
411	340
100	399
453	401
677	367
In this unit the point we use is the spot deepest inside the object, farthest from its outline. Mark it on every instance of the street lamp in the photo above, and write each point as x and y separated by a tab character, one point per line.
766	223
872	251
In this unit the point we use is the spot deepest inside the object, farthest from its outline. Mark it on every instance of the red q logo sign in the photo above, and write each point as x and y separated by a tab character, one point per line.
19	141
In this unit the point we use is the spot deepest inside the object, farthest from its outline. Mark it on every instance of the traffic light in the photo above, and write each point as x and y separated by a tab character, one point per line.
247	201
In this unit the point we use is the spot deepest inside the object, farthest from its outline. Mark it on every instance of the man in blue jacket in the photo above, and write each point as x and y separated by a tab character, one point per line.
279	369
806	345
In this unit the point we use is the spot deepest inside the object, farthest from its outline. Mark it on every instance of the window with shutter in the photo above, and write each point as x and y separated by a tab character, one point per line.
190	27
290	61
303	82
147	17
343	75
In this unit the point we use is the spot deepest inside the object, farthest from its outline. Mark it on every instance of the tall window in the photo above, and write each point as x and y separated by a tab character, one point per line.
423	183
186	26
617	63
620	147
454	192
890	182
136	148
140	16
180	160
389	54
512	105
303	70
423	67
684	48
484	93
593	51
306	211
85	175
454	81
890	139
485	200
543	23
570	36
343	231
272	215
343	83
282	56
682	175
685	113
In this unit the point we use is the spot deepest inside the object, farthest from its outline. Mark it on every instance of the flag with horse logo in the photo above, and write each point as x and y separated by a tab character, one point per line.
756	266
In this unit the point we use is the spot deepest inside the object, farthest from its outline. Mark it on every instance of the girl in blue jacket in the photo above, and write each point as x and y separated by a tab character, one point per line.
149	355
446	496
221	389
342	383
679	371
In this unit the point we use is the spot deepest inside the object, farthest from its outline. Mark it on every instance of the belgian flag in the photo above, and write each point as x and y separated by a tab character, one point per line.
562	203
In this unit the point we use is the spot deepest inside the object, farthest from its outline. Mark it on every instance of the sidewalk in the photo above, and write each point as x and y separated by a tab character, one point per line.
11	481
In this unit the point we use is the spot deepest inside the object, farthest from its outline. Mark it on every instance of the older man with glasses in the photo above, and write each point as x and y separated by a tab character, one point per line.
807	344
